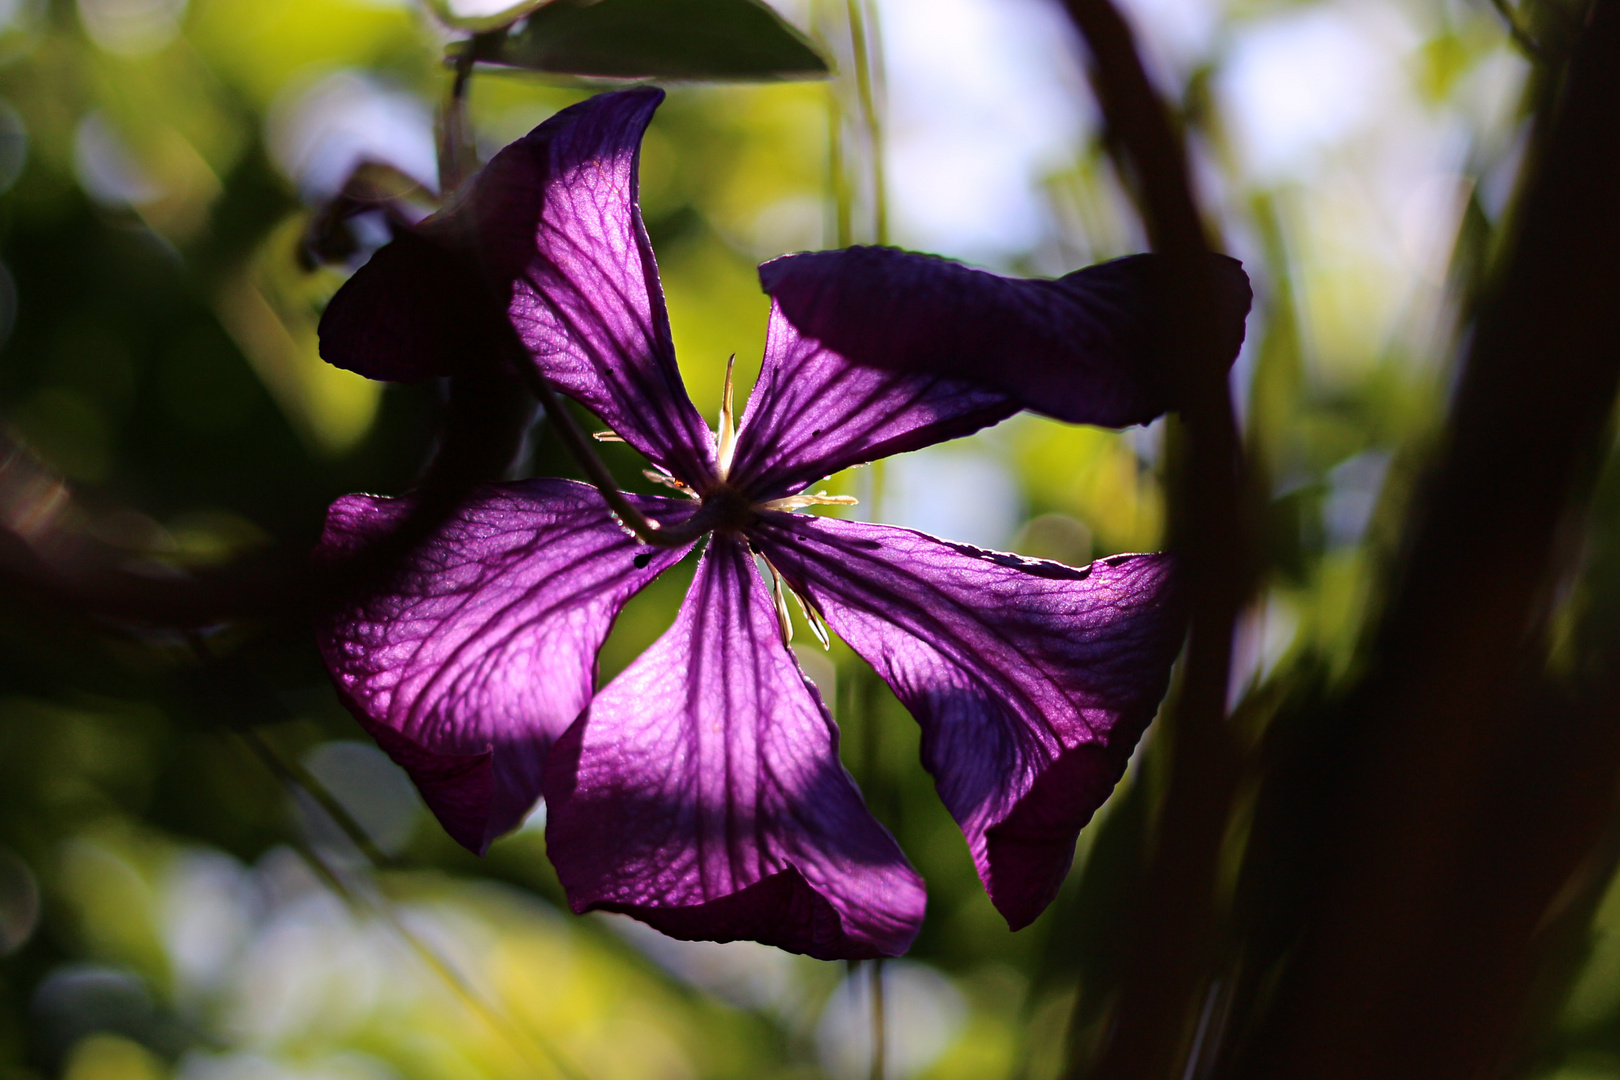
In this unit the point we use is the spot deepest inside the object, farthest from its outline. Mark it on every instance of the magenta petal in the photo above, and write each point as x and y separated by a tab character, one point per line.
1085	348
549	232
1032	681
585	296
701	791
814	412
482	648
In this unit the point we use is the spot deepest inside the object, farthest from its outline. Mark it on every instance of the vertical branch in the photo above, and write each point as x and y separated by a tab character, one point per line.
1422	932
863	38
880	1032
821	26
1175	918
456	157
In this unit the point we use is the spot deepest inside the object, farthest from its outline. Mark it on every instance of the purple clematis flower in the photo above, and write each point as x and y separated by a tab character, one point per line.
701	790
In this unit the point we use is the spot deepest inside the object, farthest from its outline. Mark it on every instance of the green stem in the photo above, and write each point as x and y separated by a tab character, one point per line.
454	148
862	32
837	178
294	775
879	1023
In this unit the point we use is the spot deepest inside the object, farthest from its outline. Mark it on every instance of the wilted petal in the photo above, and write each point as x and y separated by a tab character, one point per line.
814	412
551	233
482	648
1086	348
1032	681
701	791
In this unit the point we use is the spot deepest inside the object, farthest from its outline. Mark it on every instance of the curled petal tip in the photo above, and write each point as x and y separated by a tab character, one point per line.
1032	681
1086	348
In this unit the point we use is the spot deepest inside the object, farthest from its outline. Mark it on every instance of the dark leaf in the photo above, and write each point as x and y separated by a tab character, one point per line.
659	39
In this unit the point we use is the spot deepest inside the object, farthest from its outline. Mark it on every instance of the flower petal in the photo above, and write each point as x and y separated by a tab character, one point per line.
814	412
482	649
701	791
412	312
1032	681
549	230
1084	348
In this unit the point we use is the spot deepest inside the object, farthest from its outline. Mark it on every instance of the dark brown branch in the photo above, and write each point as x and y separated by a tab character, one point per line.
65	571
1452	836
1175	918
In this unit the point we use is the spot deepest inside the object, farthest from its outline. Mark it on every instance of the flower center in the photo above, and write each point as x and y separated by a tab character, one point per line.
729	509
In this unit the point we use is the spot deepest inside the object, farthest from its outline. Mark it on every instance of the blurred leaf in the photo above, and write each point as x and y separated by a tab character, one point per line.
659	39
480	24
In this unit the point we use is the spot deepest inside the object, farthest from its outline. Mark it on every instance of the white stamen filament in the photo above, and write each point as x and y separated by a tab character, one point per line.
820	498
813	619
606	436
726	441
779	593
670	482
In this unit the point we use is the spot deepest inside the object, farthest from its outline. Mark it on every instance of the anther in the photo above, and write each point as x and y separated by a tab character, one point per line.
820	498
779	593
669	481
726	438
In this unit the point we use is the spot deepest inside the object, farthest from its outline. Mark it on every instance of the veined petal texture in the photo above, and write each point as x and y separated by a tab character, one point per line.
1085	348
585	297
813	412
550	232
1032	681
701	791
481	649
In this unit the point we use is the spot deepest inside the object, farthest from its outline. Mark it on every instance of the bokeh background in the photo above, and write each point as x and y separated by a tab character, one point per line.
172	906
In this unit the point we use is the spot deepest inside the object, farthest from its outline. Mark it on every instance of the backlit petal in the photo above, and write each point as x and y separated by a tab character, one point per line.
814	412
481	649
1032	681
1086	348
550	232
701	791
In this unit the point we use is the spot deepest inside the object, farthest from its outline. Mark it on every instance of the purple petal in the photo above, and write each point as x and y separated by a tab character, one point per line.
702	793
482	649
549	231
414	311
1032	681
813	412
1085	348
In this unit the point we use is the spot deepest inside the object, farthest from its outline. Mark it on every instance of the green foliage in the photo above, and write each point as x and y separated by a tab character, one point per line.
161	366
658	39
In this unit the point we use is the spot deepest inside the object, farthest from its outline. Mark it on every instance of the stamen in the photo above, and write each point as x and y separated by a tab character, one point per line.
670	482
726	443
606	436
820	498
779	591
812	617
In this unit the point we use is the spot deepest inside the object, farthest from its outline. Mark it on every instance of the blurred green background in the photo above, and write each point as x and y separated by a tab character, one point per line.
169	907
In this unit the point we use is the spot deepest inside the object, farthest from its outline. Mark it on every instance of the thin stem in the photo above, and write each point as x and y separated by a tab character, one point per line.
579	446
454	156
879	1024
837	179
1521	37
870	113
295	775
524	1041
